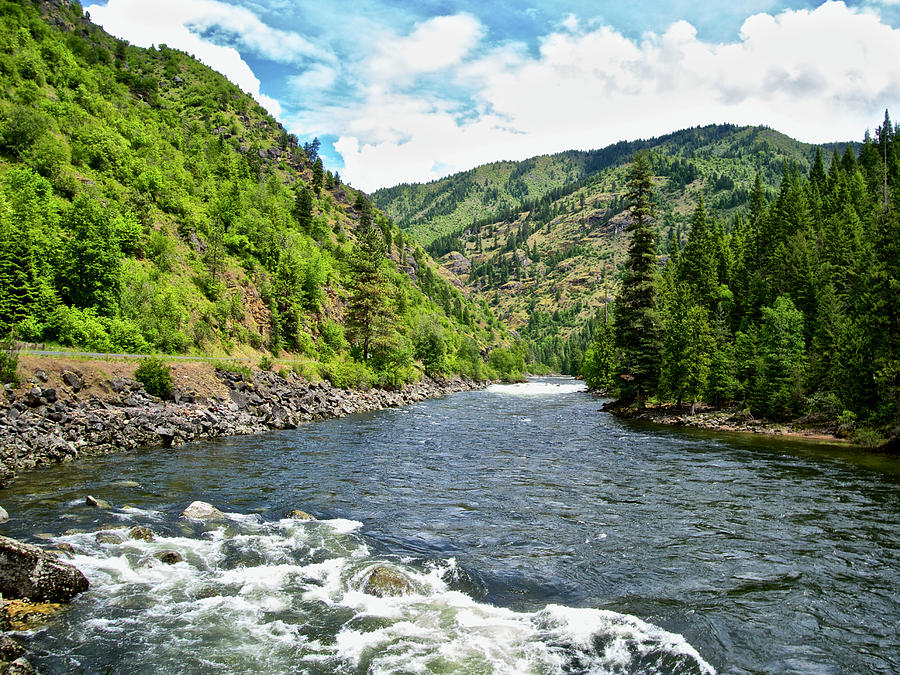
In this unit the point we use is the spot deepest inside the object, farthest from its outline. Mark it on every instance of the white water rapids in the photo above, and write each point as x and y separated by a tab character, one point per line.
285	596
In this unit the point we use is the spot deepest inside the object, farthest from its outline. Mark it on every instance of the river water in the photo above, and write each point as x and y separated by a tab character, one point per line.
539	534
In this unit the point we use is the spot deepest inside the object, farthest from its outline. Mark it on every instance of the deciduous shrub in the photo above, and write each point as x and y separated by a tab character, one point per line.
156	377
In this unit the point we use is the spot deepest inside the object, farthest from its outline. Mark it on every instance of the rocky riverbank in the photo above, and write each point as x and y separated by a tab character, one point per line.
730	420
68	410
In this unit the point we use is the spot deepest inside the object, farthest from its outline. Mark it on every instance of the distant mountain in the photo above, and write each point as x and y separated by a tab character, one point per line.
542	239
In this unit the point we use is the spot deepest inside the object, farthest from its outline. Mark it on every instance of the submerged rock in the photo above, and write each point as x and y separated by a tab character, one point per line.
26	571
27	615
297	514
139	532
107	538
385	582
168	557
202	511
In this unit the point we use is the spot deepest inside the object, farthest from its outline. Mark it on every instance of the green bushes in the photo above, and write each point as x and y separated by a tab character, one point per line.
431	347
85	328
154	374
9	361
345	373
508	364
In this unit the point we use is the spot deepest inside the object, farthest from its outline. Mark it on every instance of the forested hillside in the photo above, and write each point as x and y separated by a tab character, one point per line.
792	309
498	191
548	248
148	204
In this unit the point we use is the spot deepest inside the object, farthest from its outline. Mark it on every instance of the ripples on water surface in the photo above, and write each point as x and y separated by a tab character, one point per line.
539	535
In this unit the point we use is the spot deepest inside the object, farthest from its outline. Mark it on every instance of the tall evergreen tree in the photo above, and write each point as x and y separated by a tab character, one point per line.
698	264
369	314
303	208
318	178
637	321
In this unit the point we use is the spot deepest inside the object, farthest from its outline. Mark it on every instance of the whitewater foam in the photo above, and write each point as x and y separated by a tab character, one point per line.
538	388
255	596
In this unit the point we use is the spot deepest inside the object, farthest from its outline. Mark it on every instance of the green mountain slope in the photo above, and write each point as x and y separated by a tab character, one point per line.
146	203
548	258
444	206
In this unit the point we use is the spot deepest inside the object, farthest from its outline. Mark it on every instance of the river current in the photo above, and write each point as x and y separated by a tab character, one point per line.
539	536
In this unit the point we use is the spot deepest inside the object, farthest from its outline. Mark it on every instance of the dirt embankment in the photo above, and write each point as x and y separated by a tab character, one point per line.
67	408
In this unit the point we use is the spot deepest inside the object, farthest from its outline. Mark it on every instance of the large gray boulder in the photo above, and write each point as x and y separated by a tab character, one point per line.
26	571
202	511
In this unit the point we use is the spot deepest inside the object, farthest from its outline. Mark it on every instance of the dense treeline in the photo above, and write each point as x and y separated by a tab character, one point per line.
793	309
147	204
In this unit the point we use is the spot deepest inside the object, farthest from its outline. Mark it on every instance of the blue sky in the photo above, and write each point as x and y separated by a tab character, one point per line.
403	91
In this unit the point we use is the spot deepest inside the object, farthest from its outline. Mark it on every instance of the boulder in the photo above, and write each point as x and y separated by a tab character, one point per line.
26	571
139	532
20	667
107	538
4	516
385	582
202	511
297	514
34	397
97	503
10	650
73	381
168	557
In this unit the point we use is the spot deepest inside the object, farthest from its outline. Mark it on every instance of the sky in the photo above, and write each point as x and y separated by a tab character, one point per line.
410	91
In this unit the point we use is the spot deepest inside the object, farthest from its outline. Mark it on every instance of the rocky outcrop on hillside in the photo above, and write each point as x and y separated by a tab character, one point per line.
43	426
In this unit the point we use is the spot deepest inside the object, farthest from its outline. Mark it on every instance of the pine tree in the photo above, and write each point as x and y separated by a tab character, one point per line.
318	178
778	386
817	172
637	322
369	315
303	208
697	263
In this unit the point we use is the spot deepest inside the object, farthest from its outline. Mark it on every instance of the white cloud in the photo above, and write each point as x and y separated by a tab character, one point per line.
818	75
434	45
317	77
409	107
178	23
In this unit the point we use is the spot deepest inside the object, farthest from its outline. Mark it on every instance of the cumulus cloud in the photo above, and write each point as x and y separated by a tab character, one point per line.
193	26
445	94
818	75
434	45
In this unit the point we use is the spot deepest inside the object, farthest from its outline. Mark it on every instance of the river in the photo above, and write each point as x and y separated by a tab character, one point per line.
540	535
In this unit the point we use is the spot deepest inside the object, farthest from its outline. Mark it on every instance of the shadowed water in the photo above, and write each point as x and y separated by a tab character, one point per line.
539	535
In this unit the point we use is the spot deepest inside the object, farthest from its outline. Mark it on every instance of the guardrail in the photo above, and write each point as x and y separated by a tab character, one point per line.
167	357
